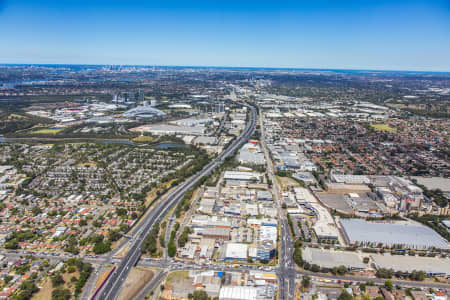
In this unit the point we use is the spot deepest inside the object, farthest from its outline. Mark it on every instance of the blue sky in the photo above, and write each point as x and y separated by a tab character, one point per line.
364	34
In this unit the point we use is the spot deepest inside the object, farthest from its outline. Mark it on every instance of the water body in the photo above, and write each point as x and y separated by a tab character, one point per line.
118	142
169	146
11	85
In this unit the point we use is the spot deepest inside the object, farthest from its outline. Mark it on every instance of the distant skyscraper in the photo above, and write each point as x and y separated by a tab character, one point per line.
141	95
220	107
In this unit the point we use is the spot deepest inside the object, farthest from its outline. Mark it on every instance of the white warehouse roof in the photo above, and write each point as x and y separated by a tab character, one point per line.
236	251
414	236
238	293
233	175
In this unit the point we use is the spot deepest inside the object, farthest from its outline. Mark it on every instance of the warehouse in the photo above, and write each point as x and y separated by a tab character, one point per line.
252	158
239	293
350	179
401	235
329	259
233	251
264	196
242	176
324	228
216	233
434	183
165	129
430	265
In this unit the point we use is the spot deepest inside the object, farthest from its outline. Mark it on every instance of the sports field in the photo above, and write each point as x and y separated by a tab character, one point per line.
382	127
47	131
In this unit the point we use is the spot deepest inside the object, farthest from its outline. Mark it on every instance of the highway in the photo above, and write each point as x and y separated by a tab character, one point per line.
112	288
286	269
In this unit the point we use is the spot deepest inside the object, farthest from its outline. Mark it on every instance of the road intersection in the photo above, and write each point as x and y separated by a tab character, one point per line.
286	270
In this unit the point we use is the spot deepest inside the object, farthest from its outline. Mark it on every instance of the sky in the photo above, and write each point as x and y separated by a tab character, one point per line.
348	34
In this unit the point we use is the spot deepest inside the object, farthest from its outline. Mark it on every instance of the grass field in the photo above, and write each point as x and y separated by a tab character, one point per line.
142	139
45	293
382	127
89	164
47	131
177	276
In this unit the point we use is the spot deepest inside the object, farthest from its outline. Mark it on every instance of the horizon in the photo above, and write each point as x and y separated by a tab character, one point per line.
223	67
370	35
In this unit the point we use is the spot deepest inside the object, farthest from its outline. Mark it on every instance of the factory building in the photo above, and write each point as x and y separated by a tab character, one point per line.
401	235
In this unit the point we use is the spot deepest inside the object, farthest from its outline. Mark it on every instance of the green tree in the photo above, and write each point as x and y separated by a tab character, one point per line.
342	270
388	285
61	294
315	268
200	295
102	247
298	256
171	248
306	281
57	280
345	296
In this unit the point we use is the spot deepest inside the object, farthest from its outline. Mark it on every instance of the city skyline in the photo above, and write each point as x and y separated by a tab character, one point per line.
374	35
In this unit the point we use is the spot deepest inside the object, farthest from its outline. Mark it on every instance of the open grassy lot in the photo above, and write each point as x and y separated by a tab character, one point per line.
286	182
382	127
177	276
136	281
89	164
47	131
142	139
45	293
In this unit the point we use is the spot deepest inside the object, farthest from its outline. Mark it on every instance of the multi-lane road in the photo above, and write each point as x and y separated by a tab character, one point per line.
286	270
112	287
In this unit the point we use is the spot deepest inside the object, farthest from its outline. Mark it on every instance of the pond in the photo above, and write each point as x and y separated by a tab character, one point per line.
118	142
169	146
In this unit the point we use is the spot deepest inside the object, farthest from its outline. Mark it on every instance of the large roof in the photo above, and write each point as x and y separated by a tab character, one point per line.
433	183
359	230
236	250
239	293
409	263
330	259
143	110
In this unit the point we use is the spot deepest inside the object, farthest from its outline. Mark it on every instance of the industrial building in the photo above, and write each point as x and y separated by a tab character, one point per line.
329	259
434	183
251	154
241	176
325	228
402	235
233	251
404	263
166	129
246	293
